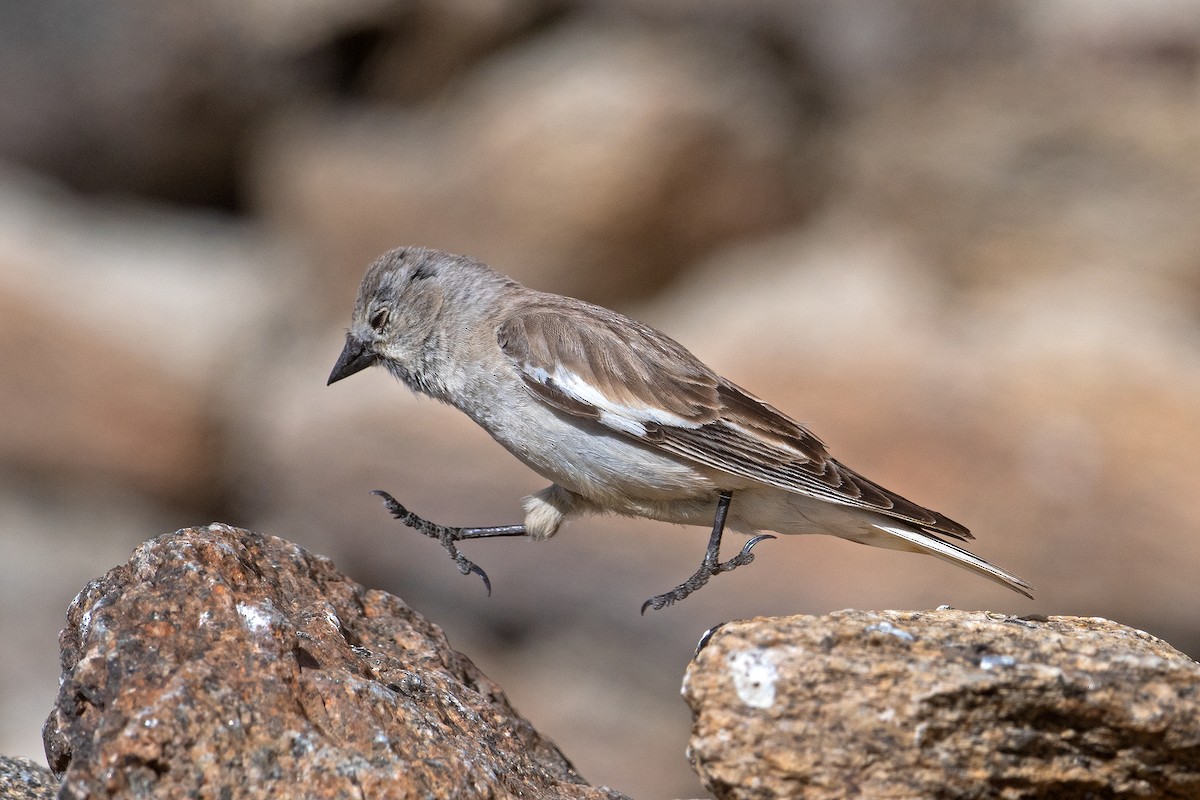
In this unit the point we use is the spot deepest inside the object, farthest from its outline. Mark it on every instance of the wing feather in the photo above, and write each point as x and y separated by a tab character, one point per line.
590	362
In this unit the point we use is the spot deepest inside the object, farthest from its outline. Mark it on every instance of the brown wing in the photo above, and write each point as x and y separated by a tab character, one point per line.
591	362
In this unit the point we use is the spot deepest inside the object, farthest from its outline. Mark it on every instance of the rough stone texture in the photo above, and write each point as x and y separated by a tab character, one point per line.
22	779
220	660
943	704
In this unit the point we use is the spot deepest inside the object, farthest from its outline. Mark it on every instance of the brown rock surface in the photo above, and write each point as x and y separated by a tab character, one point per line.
22	779
158	99
146	433
219	660
943	704
121	336
596	160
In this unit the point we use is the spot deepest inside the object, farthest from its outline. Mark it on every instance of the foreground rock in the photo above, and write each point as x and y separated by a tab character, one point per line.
234	664
21	779
943	704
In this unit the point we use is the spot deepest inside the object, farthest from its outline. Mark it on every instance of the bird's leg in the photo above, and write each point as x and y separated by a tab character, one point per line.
448	536
712	564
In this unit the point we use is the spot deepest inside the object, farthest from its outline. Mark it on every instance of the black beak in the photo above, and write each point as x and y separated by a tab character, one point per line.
354	358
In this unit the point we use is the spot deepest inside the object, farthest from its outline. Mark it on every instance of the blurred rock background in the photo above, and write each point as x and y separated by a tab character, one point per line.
962	241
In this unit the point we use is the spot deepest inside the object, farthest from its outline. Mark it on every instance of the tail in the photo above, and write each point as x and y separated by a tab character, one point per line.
922	542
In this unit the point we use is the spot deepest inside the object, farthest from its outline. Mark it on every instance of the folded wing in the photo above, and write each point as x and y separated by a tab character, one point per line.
593	363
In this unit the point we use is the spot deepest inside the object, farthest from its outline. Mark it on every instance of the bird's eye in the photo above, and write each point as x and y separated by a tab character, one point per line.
379	319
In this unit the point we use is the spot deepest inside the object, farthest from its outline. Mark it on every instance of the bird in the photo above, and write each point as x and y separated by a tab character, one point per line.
620	418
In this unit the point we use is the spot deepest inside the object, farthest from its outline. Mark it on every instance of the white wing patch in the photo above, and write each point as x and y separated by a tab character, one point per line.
618	416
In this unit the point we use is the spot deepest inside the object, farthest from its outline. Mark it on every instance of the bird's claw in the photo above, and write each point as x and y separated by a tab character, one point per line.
681	591
444	534
744	557
661	601
467	566
703	575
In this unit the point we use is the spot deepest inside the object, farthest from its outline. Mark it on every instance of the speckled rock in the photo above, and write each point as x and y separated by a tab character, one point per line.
220	662
22	779
943	704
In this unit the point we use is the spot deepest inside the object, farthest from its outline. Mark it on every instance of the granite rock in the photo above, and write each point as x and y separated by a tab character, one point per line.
943	704
220	662
22	779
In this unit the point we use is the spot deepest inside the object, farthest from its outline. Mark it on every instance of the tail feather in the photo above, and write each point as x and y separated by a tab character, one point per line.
922	542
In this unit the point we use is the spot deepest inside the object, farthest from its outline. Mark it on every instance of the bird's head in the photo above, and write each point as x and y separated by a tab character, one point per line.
397	312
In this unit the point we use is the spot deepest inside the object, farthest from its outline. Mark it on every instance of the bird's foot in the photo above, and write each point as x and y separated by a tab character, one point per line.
708	568
444	534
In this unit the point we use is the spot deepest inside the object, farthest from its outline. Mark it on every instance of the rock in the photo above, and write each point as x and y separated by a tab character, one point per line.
432	43
137	96
122	330
596	159
237	662
943	704
146	432
22	779
996	185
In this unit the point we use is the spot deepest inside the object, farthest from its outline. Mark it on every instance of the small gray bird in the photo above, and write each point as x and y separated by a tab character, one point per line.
620	417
